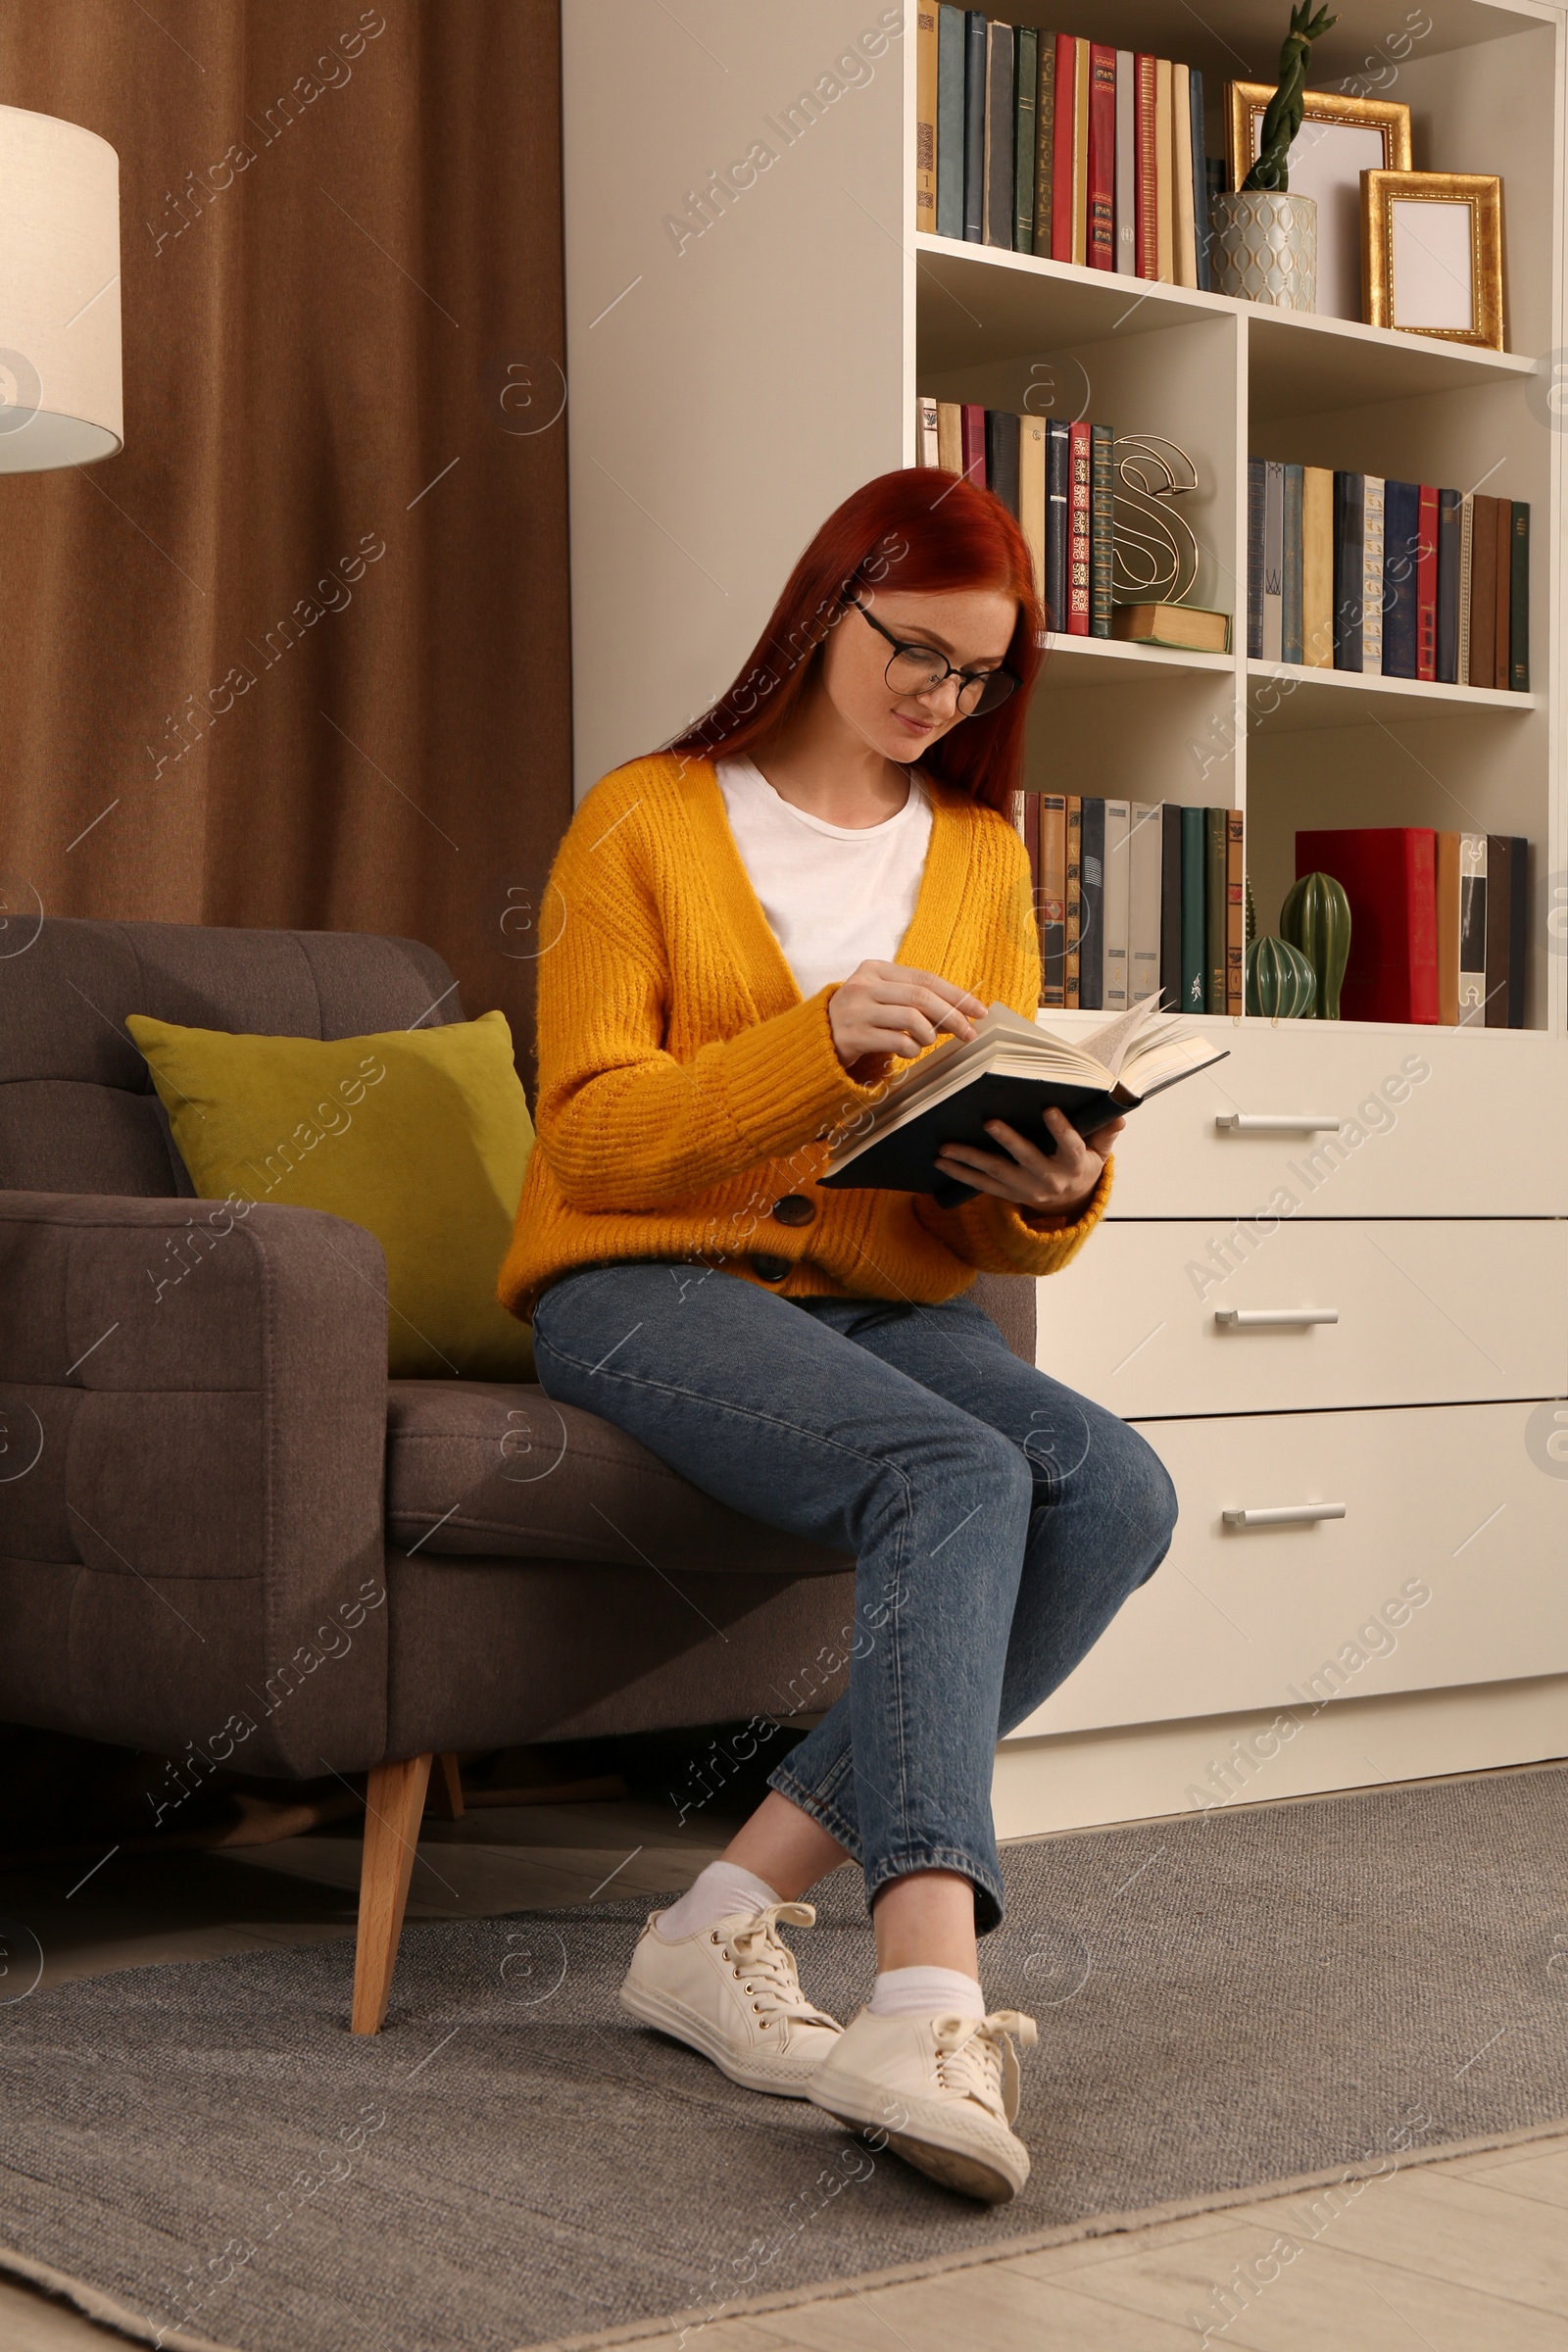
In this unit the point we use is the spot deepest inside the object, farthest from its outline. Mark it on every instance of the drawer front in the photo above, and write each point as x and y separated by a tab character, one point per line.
1465	1501
1431	1311
1483	1133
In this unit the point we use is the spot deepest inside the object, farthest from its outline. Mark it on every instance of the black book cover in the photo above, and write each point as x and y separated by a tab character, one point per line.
1519	603
1170	908
1002	456
1058	464
1401	539
1349	527
904	1162
1448	503
1092	887
974	126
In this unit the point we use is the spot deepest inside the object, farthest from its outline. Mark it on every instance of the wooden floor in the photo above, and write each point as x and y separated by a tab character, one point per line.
1470	2256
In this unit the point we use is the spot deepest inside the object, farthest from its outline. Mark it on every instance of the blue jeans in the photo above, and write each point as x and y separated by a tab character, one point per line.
997	1520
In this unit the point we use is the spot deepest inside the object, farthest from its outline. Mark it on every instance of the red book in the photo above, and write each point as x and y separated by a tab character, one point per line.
1145	183
1101	238
1062	148
1079	470
973	427
1426	584
1390	875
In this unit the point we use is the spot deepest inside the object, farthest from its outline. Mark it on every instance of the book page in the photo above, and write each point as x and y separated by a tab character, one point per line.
1110	1043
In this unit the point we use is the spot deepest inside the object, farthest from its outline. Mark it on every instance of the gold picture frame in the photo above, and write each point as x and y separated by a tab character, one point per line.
1246	103
1428	275
1340	139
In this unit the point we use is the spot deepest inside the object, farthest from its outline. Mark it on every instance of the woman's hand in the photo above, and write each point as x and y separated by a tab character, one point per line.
883	1009
1060	1185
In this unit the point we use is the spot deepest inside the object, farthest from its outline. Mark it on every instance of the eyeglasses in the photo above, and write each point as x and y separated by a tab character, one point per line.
921	669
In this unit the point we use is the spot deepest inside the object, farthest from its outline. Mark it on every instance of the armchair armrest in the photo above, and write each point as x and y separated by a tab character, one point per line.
192	1464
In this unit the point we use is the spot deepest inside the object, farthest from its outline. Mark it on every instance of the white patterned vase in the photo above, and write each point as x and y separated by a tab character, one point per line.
1263	248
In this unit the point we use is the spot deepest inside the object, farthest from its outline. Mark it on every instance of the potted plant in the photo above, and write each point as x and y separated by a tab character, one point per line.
1263	242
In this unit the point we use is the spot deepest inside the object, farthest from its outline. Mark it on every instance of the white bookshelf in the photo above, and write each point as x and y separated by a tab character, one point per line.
722	397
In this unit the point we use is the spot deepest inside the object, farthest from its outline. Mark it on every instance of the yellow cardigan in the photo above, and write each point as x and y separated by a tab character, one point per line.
685	1087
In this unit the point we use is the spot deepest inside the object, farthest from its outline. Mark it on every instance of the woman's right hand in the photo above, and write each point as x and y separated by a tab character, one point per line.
883	1009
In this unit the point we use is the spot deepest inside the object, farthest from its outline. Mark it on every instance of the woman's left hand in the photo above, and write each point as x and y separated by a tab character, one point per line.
1060	1185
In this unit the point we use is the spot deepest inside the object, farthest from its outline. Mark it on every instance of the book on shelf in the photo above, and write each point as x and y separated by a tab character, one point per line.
1317	566
1389	874
1126	164
1033	442
1349	521
1255	492
1193	929
975	124
1143	889
1273	559
1235	912
1072	903
948	122
926	39
1372	575
1291	564
1079	525
1115	908
1052	901
999	209
1091	897
1061	146
1445	898
1102	477
1170	904
1014	1071
1215	867
1002	456
1045	144
1472	958
1058	471
1419	582
1193	627
1025	101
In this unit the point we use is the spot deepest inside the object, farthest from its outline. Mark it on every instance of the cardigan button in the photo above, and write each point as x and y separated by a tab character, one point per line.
794	1209
769	1268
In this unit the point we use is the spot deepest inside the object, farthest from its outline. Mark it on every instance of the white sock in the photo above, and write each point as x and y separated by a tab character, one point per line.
717	1892
926	1992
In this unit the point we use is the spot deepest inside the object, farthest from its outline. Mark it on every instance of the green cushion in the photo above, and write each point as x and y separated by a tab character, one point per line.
420	1135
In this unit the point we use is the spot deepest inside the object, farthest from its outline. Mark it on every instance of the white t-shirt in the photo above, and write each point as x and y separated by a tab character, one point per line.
833	894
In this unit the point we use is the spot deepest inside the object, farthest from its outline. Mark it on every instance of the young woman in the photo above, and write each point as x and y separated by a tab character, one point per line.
762	923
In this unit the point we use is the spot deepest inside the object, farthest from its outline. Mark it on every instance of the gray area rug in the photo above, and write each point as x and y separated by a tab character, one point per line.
1227	2004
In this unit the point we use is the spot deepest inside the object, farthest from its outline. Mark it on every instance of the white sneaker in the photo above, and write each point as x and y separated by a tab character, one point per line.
731	1991
943	2089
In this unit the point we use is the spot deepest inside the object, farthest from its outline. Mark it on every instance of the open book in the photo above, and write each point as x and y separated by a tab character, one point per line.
1012	1069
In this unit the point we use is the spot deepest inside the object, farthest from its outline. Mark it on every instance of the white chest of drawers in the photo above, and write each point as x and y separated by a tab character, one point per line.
1366	1319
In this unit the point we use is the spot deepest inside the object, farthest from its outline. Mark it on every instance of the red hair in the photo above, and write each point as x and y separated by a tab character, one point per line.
913	530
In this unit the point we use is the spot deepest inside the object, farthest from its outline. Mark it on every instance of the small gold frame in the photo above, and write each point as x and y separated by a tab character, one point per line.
1246	103
1482	193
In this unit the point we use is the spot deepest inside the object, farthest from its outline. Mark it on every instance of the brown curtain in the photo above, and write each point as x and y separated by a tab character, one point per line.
299	655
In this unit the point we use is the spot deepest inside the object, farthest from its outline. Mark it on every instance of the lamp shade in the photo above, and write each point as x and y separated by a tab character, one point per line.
60	400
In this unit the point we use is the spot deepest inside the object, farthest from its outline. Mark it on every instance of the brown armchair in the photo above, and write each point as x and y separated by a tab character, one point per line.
227	1536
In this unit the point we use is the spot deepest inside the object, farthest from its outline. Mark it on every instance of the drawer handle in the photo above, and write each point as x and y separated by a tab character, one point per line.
1258	1318
1264	1122
1284	1514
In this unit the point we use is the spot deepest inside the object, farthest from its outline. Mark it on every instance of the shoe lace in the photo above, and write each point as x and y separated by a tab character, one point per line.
976	2057
765	1965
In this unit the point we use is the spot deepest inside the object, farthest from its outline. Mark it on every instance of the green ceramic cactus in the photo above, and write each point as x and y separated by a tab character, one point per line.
1316	918
1280	981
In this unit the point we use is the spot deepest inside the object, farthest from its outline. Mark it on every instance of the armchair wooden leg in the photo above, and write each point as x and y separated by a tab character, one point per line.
394	1803
446	1790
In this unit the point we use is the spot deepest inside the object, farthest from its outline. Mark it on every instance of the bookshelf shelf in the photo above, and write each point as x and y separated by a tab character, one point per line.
1081	661
980	302
1341	698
